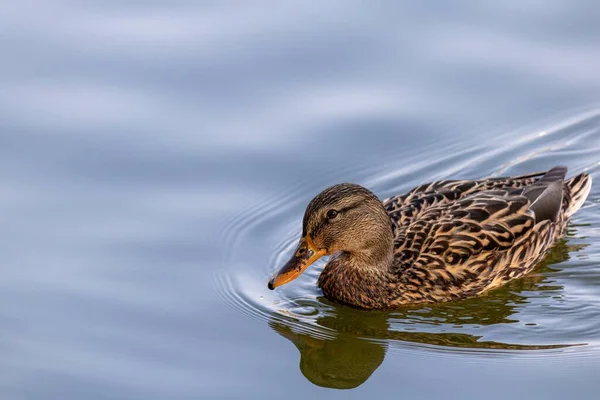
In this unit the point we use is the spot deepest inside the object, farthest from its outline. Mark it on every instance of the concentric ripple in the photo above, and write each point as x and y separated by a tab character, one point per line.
554	311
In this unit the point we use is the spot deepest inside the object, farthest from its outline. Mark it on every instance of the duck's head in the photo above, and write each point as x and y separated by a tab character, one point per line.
343	218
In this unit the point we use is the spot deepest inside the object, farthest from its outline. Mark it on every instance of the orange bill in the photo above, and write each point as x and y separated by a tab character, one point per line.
305	255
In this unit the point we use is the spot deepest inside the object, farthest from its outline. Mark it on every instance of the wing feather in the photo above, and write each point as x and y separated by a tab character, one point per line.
456	233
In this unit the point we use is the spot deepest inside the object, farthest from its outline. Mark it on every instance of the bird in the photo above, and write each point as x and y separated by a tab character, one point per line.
442	241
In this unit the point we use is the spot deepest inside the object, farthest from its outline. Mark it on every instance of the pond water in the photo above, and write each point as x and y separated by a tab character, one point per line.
156	159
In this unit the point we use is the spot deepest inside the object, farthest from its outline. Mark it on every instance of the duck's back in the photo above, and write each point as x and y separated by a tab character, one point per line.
455	239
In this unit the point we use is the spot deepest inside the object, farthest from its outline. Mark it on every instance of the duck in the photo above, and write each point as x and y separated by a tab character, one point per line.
442	241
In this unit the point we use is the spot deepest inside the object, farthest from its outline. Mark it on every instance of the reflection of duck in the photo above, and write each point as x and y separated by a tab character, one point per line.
342	363
448	240
360	340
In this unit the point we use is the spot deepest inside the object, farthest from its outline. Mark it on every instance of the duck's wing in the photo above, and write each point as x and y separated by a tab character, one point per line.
463	187
451	233
403	209
470	243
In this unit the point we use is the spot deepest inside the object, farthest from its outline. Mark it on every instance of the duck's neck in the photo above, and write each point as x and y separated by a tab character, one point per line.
360	279
376	260
361	274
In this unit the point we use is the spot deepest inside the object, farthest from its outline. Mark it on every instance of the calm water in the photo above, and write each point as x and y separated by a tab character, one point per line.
156	159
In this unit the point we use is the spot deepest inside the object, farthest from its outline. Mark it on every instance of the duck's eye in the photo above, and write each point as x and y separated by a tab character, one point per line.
331	214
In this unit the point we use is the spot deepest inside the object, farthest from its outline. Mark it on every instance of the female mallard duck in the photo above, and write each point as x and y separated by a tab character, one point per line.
441	241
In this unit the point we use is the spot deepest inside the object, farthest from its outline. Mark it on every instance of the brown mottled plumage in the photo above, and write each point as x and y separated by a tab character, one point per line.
441	241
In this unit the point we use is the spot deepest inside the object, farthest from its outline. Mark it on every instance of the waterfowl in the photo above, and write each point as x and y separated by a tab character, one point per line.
441	241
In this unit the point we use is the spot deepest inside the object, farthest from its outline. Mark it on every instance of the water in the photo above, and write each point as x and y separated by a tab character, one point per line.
156	159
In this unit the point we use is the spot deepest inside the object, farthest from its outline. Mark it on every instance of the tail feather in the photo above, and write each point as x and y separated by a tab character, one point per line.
579	188
552	188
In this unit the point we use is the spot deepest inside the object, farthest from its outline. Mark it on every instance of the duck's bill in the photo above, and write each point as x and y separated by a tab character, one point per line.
304	256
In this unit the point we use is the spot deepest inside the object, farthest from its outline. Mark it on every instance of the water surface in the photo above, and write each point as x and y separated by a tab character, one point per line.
156	159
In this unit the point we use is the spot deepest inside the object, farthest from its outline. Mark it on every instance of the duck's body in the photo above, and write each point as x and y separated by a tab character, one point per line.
448	240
